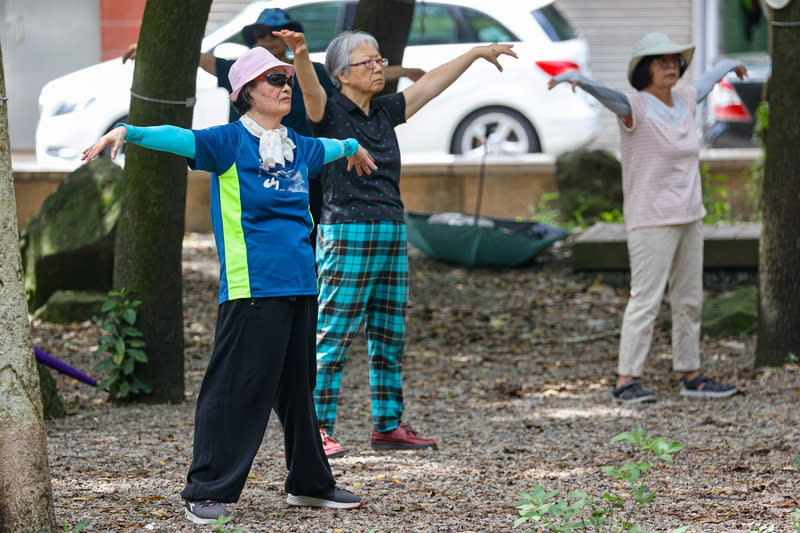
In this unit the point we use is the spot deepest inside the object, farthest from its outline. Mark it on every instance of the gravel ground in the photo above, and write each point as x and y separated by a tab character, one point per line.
509	369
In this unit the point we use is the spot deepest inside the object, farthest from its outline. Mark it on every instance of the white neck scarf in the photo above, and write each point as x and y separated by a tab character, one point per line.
274	146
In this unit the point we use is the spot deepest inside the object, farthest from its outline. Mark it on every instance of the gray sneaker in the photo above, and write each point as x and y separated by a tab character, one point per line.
205	511
333	498
632	392
706	387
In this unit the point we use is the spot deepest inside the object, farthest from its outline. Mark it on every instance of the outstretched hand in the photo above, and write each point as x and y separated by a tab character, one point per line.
361	161
493	51
552	83
130	53
295	40
115	138
741	72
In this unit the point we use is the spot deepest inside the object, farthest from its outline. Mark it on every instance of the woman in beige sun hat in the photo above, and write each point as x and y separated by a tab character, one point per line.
663	207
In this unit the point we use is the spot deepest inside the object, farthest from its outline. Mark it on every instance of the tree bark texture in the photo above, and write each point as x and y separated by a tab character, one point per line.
779	253
151	224
389	21
26	498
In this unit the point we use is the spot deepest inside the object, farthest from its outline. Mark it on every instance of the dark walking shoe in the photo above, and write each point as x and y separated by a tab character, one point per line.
204	511
706	387
400	438
632	392
333	498
331	447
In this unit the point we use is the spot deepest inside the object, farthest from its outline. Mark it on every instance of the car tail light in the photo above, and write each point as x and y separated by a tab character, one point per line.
554	68
727	106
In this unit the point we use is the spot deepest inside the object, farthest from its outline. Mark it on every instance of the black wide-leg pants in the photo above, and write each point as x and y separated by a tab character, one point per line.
264	357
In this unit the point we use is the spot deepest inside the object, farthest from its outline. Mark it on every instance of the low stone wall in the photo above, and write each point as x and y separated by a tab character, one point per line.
511	188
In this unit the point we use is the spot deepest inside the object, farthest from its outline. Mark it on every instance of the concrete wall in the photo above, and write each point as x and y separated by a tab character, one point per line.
510	188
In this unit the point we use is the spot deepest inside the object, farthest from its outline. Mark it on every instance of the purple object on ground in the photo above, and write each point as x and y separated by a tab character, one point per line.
61	366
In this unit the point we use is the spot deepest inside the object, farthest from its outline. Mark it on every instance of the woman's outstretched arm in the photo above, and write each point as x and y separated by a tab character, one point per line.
706	82
165	138
612	99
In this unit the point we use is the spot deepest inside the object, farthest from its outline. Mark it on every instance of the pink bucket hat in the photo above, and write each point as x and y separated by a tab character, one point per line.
250	65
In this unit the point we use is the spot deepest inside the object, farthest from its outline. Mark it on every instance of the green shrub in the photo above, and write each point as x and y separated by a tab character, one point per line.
123	343
78	527
715	197
612	512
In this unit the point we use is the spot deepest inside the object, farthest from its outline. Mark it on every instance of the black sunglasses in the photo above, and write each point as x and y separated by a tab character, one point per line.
264	31
277	79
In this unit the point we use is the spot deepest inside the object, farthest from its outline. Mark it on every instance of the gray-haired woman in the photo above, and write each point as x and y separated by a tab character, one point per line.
663	208
361	254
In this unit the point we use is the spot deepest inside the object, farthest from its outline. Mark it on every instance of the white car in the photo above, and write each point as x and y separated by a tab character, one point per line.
514	106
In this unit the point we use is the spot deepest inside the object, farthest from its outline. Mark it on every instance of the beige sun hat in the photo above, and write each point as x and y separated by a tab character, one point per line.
656	44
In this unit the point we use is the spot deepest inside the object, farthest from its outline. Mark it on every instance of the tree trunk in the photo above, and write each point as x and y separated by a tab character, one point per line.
26	497
389	21
779	253
151	224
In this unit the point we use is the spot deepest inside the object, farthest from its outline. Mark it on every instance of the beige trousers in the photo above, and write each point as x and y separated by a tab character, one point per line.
659	255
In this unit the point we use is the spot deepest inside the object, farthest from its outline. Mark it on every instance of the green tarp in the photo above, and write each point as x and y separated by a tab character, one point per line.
493	242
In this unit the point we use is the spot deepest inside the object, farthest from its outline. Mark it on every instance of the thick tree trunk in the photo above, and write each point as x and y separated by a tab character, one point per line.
779	254
26	498
151	224
389	21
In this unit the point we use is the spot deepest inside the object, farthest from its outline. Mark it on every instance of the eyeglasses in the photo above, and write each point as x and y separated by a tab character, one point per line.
372	63
277	79
667	60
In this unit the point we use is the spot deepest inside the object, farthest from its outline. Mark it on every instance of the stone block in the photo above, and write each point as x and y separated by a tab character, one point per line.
69	242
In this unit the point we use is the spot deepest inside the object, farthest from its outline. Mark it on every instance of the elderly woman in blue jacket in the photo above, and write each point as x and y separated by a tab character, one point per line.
264	353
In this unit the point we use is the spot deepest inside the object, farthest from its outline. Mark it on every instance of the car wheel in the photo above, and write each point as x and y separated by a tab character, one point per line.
508	133
120	159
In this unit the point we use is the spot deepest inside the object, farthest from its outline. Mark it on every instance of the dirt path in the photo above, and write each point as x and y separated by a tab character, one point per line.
509	370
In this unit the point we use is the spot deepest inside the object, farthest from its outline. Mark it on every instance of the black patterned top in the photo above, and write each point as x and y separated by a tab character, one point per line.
348	197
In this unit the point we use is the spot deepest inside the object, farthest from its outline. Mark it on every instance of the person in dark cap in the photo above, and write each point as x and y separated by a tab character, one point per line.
259	33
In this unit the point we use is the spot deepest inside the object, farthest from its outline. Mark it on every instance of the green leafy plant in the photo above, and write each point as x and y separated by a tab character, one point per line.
546	210
78	527
123	344
614	216
755	179
221	521
791	358
715	197
794	518
612	512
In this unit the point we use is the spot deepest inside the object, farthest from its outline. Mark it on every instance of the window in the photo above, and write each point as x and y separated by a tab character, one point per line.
485	28
432	24
321	22
744	27
554	24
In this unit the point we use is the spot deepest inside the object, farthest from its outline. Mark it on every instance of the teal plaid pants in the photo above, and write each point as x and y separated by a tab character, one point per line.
363	275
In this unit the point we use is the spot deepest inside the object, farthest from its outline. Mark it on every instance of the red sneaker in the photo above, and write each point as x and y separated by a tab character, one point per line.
331	447
400	438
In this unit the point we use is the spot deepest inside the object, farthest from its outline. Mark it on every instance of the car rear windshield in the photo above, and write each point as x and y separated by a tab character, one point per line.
554	24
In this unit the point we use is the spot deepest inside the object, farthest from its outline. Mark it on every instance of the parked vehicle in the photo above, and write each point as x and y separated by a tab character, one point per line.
514	106
732	105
